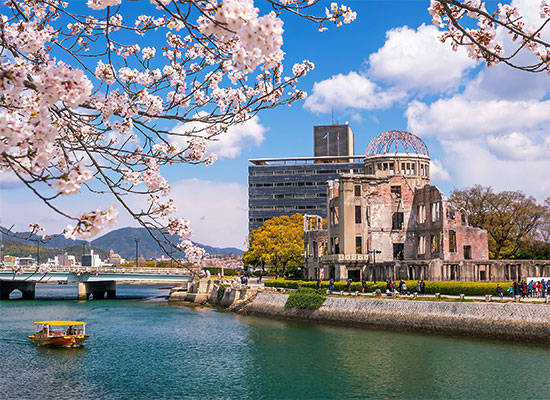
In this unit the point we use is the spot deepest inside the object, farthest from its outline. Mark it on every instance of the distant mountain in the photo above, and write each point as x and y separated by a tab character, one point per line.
51	242
120	240
25	248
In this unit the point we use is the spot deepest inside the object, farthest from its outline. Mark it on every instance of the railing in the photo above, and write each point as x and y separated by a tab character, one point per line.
116	270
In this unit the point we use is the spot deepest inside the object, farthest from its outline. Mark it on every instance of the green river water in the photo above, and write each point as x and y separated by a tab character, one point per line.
141	347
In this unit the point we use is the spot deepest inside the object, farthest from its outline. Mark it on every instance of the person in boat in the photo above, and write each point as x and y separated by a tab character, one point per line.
70	330
44	331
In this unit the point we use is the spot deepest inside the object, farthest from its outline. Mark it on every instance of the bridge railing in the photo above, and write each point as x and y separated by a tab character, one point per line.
117	270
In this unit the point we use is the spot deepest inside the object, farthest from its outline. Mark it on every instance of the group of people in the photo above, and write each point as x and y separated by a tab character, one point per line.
526	289
390	286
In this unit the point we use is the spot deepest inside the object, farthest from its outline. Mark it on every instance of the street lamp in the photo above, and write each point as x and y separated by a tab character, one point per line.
374	253
137	245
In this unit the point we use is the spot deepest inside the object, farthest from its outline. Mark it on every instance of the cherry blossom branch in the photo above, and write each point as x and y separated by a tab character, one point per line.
481	43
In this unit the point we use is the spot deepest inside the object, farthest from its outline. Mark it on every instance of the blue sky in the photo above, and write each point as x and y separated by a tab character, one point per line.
384	71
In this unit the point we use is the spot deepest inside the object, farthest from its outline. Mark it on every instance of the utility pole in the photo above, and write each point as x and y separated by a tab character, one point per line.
137	245
374	253
38	252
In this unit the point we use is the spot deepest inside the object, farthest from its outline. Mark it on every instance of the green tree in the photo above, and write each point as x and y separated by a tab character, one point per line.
279	242
511	218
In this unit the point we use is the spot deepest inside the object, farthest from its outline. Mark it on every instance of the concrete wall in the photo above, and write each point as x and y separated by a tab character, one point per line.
522	322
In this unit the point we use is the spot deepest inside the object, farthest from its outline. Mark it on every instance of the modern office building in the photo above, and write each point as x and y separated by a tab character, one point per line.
286	186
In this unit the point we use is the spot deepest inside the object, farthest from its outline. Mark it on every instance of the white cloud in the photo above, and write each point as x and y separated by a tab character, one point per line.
471	163
530	10
8	180
437	172
504	82
418	60
459	118
217	210
518	146
350	91
231	143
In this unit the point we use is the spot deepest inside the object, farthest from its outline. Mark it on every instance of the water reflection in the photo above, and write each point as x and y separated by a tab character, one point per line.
144	349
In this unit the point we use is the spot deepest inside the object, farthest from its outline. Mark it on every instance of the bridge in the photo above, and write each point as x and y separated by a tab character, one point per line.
95	281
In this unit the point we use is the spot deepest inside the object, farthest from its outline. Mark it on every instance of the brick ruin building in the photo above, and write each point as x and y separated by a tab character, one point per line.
391	223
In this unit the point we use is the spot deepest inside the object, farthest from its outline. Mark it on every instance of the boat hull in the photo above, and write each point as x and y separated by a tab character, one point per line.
59	341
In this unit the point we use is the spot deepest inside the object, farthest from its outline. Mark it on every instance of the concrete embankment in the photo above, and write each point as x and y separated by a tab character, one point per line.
512	321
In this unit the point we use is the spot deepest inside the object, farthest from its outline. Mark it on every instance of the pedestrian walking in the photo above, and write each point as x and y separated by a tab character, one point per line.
512	292
331	286
349	285
364	285
499	291
422	286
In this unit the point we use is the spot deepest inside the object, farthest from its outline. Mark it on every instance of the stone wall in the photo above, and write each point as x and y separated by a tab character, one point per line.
522	322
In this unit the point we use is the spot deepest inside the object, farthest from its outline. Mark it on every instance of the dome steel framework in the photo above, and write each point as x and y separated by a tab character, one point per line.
383	143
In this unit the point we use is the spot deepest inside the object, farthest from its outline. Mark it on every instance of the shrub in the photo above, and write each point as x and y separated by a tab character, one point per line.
226	271
306	298
221	291
432	287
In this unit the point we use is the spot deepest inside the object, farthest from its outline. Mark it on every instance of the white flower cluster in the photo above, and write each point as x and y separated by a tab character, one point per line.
335	12
102	4
253	40
105	72
161	208
90	224
180	227
197	148
44	268
152	178
70	183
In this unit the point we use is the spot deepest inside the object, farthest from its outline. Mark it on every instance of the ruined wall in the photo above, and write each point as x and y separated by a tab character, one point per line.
464	270
315	244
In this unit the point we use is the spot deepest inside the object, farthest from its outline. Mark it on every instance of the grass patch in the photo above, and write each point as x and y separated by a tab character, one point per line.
306	298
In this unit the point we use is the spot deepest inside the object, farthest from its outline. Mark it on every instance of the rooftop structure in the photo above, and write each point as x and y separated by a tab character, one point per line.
398	153
332	140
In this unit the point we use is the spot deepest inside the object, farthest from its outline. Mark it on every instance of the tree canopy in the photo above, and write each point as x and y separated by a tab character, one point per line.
279	242
94	99
514	221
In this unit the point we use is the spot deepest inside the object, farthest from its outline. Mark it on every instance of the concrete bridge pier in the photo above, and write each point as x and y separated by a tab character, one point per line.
97	290
26	289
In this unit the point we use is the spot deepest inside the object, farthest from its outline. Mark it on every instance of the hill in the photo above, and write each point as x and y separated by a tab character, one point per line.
20	248
120	240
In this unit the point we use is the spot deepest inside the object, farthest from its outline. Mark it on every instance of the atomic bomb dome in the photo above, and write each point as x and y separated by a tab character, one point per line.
398	153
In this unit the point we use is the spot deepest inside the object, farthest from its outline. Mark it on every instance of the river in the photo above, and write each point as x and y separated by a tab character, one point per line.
141	347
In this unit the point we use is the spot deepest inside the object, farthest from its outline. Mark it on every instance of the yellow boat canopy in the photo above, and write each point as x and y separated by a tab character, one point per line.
60	323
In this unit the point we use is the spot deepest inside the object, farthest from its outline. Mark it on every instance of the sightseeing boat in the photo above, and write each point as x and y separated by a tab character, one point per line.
59	333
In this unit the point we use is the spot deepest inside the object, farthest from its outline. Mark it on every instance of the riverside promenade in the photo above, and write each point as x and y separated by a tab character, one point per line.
489	317
502	320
